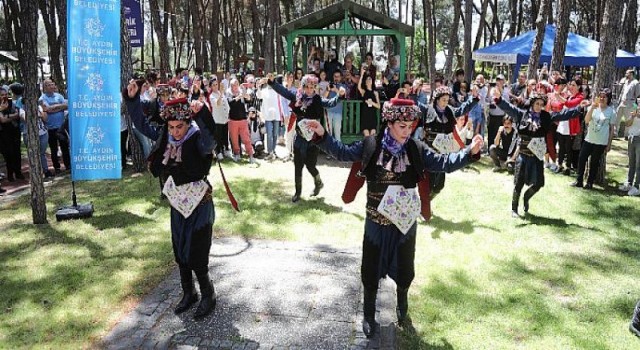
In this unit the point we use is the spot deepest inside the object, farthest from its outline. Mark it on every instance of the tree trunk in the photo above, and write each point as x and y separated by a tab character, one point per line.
431	39
536	49
197	33
562	31
520	17
61	7
468	63
549	12
27	39
48	12
630	27
269	41
256	26
535	9
412	50
513	12
279	47
161	28
126	70
606	67
453	38
481	27
204	30
213	34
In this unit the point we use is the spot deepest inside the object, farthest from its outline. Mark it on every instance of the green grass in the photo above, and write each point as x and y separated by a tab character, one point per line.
563	278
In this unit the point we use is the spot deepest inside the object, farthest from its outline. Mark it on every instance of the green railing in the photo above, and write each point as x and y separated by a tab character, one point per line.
351	121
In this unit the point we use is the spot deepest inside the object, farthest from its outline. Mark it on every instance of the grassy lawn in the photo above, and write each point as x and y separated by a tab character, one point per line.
565	277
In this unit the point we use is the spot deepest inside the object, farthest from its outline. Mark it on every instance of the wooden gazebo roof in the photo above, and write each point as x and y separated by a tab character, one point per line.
336	13
316	23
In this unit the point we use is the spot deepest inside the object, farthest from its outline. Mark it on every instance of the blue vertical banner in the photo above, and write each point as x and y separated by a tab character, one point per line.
135	26
93	80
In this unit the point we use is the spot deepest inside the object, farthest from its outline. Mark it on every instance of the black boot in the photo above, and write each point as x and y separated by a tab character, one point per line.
514	204
402	308
634	326
369	324
525	200
296	196
318	185
189	296
208	302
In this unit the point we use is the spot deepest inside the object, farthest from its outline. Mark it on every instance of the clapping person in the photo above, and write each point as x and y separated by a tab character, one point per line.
239	101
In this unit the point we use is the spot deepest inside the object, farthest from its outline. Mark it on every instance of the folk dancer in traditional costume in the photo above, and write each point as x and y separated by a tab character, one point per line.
394	164
182	156
533	125
440	131
307	105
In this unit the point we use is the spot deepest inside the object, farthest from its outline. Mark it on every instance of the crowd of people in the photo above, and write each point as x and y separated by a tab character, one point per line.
251	117
52	126
413	132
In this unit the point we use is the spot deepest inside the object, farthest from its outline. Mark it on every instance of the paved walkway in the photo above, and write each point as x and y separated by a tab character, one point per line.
271	295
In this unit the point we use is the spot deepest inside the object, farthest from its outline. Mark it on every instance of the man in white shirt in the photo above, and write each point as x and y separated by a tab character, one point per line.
628	95
495	114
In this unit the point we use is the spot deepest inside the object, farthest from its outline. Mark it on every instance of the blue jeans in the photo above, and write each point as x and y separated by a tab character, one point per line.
335	121
145	142
634	161
477	116
272	134
44	142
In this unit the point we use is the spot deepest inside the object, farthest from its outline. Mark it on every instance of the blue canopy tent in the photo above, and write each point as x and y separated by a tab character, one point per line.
580	51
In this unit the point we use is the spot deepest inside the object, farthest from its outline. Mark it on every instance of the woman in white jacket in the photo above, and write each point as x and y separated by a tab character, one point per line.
220	112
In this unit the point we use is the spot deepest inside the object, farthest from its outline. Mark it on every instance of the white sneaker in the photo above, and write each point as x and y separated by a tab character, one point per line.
228	154
633	191
235	158
625	187
252	160
220	156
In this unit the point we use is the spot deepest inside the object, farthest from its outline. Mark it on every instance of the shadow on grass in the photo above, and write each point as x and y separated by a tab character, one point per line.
535	220
410	339
466	227
59	279
117	219
266	209
619	219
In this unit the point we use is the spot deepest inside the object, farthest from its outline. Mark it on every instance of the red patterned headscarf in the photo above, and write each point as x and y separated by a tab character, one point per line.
399	109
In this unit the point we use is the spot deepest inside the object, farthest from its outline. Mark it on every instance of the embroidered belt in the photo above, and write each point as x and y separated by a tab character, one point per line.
375	216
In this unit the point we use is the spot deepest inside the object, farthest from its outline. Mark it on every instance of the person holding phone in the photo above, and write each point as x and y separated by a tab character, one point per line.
371	105
10	136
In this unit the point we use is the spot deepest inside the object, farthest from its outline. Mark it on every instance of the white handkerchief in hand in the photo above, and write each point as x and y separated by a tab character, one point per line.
307	133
